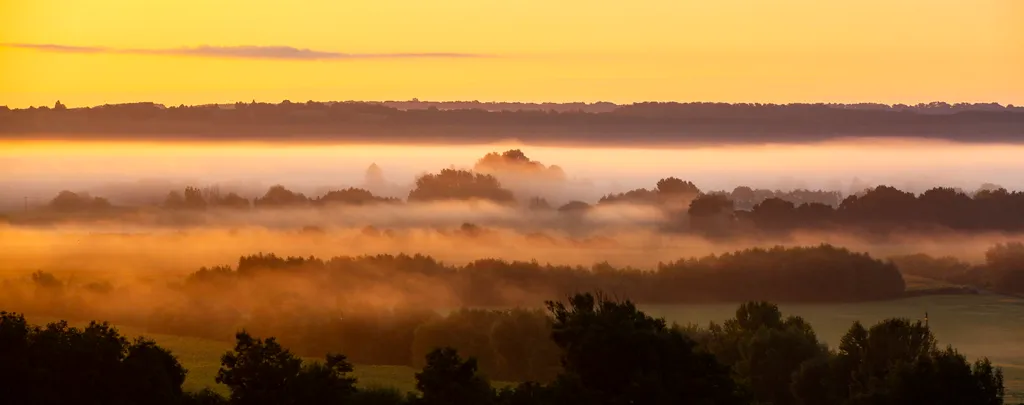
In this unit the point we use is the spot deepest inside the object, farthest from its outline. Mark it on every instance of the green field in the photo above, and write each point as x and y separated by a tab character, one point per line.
977	325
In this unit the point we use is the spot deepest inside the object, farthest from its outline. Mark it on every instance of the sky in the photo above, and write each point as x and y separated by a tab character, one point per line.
90	52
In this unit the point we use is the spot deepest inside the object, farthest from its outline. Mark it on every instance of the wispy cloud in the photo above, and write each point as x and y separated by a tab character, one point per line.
243	52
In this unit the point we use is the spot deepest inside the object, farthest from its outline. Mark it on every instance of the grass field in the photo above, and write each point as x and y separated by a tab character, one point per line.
977	325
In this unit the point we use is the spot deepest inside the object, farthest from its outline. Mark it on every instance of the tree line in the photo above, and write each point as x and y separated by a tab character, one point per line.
881	208
641	122
811	274
608	352
1002	271
381	309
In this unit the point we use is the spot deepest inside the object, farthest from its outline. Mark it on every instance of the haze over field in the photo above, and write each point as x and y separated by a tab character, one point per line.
464	202
39	169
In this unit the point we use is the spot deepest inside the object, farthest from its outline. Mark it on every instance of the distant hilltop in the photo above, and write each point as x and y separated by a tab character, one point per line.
537	123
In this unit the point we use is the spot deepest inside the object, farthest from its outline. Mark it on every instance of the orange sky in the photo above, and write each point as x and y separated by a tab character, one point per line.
532	50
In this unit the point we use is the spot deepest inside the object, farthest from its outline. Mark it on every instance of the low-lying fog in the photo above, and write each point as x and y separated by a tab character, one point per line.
37	170
136	250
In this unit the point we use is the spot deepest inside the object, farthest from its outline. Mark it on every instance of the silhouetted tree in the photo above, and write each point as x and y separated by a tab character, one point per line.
1005	265
764	350
278	197
675	186
351	196
451	184
897	362
60	364
66	201
446	379
574	207
232	201
711	213
262	372
774	214
615	354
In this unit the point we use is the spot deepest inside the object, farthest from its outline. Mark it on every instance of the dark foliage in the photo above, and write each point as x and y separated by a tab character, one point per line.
352	196
59	364
896	362
508	344
68	202
280	197
451	184
447	379
1002	272
641	122
261	372
613	353
763	349
885	208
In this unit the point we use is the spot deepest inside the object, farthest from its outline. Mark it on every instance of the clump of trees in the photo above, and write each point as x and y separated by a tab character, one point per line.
609	353
779	360
887	208
896	362
1002	271
452	184
668	190
60	364
785	274
763	349
514	165
744	210
352	196
277	196
193	198
69	202
261	372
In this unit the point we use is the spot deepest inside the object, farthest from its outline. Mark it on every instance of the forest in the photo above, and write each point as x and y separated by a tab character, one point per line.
586	349
479	122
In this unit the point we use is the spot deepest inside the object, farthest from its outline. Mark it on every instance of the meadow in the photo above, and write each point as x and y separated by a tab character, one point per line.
977	325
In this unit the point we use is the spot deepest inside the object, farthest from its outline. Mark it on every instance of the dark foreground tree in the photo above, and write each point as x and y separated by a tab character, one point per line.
613	353
764	349
447	379
60	364
261	372
897	362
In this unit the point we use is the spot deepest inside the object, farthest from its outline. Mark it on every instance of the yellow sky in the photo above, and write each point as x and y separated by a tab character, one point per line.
538	50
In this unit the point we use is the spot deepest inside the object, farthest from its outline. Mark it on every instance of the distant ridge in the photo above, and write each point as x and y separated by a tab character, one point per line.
534	123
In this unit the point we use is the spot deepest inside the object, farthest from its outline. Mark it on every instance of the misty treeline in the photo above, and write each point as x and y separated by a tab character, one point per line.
389	310
512	179
1002	271
634	123
603	351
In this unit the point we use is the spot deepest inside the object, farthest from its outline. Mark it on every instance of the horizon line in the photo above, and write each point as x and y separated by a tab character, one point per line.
562	103
275	52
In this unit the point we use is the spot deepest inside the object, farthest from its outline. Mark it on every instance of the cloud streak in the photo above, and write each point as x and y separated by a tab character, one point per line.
243	52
